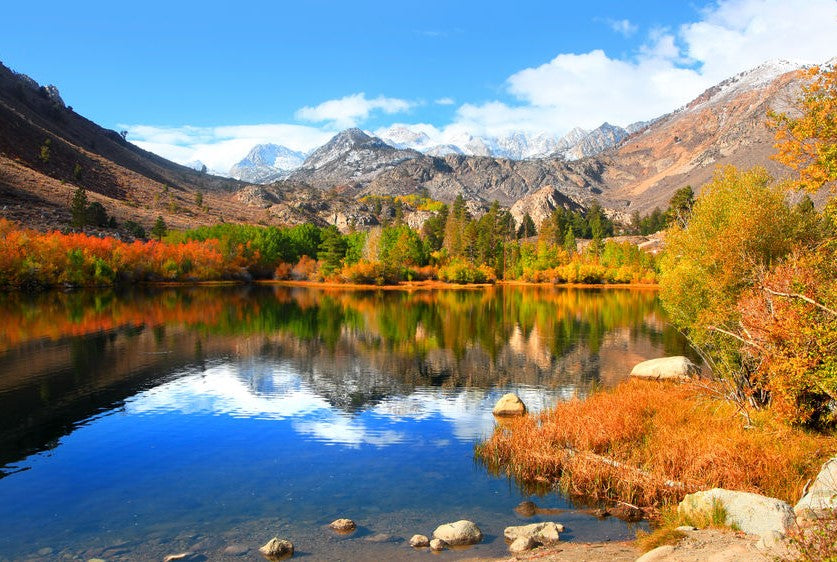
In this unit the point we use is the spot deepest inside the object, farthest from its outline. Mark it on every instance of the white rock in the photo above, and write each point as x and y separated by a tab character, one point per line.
438	544
277	548
665	368
419	541
458	533
343	525
752	513
542	533
509	405
522	544
821	497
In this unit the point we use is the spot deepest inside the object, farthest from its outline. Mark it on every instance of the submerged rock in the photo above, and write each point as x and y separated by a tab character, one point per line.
542	533
419	541
509	405
677	368
277	549
461	532
752	513
343	525
526	509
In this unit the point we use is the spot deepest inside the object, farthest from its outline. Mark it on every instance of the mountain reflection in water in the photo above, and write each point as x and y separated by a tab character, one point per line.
209	372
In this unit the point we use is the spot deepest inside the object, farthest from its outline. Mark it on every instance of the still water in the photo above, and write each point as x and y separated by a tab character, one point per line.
139	424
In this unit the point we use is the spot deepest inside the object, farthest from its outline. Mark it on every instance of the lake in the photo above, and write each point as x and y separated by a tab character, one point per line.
149	422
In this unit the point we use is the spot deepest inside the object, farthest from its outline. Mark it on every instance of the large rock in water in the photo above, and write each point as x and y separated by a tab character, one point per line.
821	498
666	368
542	533
509	405
752	513
460	533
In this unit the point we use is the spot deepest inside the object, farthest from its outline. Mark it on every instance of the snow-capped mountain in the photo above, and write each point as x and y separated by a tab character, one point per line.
598	140
196	165
515	145
267	162
400	136
350	156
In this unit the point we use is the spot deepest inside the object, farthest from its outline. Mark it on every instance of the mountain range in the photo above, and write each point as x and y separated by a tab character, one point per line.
47	150
266	163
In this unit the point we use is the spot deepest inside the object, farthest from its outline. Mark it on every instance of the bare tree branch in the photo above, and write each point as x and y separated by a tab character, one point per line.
801	297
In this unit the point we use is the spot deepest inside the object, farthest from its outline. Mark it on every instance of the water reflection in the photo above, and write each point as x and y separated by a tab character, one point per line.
67	356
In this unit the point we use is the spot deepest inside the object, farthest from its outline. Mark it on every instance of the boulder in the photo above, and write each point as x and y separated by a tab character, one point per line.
438	544
677	368
419	541
542	533
821	498
343	525
459	533
509	405
522	544
752	513
277	548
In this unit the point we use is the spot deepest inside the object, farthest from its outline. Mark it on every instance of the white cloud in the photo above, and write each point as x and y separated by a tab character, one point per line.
445	101
221	147
349	111
668	70
623	27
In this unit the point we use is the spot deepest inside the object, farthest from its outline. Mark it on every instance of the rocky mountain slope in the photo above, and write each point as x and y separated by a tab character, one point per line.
727	124
47	150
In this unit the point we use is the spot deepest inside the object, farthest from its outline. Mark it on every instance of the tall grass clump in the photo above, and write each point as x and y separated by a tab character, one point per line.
651	443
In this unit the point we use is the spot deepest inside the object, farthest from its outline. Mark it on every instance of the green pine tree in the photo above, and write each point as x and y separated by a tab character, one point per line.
159	229
78	208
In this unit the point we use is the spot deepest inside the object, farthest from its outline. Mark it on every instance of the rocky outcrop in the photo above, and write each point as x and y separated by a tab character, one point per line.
542	533
540	204
461	532
821	497
752	513
277	549
677	368
509	405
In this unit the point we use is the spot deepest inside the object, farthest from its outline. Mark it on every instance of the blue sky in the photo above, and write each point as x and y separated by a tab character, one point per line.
202	80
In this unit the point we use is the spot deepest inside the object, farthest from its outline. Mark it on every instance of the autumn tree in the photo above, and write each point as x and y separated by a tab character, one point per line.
808	143
739	227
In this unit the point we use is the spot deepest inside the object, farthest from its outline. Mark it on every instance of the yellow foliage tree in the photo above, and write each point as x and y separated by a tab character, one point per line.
808	143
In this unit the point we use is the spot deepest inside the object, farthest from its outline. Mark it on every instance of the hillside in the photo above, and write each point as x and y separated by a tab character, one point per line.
47	150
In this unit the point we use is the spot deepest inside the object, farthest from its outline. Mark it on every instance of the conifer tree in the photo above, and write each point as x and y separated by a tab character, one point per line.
78	208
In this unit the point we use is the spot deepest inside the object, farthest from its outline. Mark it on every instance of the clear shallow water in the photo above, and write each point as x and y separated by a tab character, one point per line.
142	424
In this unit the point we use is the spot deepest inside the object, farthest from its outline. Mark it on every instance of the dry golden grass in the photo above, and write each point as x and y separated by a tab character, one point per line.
650	443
